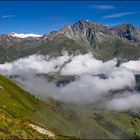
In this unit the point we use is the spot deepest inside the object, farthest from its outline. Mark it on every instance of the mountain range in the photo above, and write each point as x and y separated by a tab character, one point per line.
24	115
84	36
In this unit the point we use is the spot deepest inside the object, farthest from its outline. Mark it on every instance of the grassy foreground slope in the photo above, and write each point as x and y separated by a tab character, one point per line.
18	109
15	107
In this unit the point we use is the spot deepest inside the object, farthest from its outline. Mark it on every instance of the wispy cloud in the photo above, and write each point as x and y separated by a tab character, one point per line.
117	15
104	7
7	16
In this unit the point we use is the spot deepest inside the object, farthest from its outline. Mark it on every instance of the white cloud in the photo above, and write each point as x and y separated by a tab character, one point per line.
7	16
117	15
104	7
88	88
82	64
91	89
34	64
125	102
132	65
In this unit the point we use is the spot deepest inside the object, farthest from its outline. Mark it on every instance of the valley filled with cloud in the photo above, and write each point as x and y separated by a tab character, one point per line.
102	84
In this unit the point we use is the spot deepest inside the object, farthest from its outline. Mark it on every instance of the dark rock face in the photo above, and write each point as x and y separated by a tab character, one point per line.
127	31
89	34
92	31
88	28
78	26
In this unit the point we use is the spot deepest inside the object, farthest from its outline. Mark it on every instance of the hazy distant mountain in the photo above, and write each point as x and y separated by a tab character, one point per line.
105	43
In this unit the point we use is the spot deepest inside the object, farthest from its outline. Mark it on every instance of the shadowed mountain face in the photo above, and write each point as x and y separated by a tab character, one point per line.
105	43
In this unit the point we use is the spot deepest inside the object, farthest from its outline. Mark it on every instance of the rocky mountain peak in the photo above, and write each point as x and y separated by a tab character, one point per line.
126	31
127	26
124	26
86	24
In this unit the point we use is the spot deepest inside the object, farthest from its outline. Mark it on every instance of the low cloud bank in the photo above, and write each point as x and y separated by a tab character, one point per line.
133	66
114	91
34	64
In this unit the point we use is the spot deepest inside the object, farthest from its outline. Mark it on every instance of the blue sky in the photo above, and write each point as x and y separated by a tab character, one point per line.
45	16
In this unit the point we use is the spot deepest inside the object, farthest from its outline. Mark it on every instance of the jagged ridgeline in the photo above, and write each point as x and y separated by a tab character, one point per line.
105	43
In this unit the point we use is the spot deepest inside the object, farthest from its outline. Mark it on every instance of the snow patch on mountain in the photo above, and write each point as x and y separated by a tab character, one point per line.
22	35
